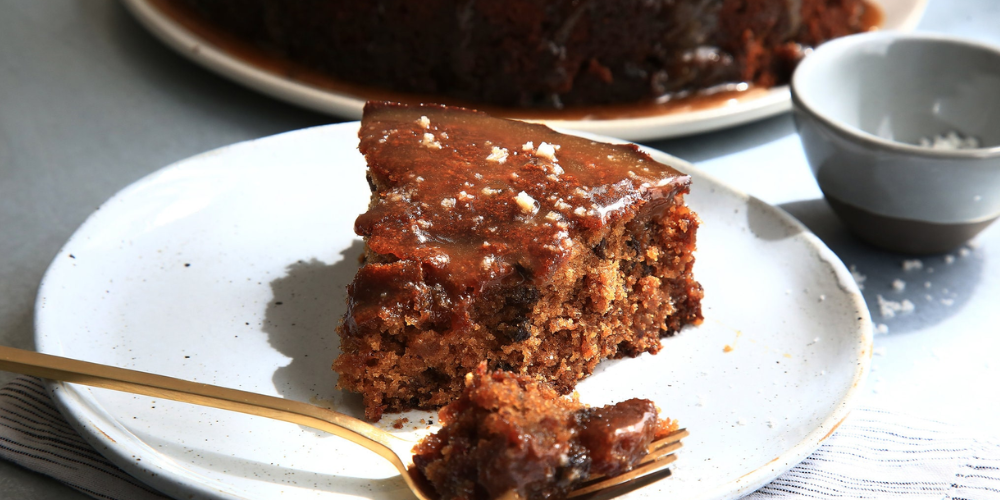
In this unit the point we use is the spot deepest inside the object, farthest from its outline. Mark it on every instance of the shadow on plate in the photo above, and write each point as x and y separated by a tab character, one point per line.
904	297
301	321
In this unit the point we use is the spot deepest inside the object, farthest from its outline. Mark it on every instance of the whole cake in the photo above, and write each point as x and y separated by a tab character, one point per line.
542	53
514	433
506	242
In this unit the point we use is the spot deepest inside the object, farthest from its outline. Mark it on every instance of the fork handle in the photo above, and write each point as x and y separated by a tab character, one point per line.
136	382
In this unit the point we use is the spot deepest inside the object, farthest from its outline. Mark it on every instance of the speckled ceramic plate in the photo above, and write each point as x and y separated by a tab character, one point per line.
230	267
269	78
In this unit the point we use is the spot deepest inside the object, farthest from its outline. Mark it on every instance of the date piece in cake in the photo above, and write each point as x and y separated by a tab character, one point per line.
506	242
514	432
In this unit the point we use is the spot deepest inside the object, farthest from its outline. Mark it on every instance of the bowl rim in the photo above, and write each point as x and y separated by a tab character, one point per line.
830	49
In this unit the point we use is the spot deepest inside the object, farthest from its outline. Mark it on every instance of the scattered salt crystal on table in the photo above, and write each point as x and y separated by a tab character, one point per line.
963	252
949	141
898	285
879	351
858	277
881	329
949	259
913	265
889	308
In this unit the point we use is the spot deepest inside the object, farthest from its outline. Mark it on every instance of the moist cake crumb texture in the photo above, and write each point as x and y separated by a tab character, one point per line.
542	264
514	432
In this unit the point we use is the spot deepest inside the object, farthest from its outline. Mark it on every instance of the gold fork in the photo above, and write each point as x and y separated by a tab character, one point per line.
396	450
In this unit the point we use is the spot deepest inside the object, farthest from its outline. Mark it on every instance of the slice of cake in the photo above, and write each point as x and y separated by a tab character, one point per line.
506	242
513	432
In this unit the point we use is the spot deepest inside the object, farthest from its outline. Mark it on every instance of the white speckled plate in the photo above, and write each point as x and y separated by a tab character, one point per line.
230	267
271	80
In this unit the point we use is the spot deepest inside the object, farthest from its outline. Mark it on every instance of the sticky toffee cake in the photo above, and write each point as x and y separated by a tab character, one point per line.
506	242
541	53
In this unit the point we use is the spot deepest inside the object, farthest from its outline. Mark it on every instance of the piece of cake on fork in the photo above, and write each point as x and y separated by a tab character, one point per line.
506	242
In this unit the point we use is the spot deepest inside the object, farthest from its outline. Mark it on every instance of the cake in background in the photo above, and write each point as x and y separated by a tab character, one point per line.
543	53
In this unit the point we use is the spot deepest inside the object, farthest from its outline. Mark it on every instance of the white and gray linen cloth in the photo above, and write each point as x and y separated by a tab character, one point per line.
875	454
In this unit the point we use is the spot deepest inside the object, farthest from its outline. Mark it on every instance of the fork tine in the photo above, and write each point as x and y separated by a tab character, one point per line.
660	452
669	439
649	468
659	457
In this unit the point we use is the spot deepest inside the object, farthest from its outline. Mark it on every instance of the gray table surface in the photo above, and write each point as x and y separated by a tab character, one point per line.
90	102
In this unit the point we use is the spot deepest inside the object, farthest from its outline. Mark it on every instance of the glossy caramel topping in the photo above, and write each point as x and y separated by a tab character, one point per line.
472	198
616	436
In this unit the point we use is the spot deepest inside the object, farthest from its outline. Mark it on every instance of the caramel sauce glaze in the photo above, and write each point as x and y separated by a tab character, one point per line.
463	201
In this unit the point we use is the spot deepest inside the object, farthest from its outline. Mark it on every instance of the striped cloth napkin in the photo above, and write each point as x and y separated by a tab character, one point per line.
875	454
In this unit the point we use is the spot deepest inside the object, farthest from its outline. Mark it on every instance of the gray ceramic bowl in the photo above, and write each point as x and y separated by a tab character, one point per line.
861	105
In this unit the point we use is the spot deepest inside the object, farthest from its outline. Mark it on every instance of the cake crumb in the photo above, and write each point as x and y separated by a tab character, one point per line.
913	265
398	423
727	348
898	285
498	155
424	122
526	202
546	150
